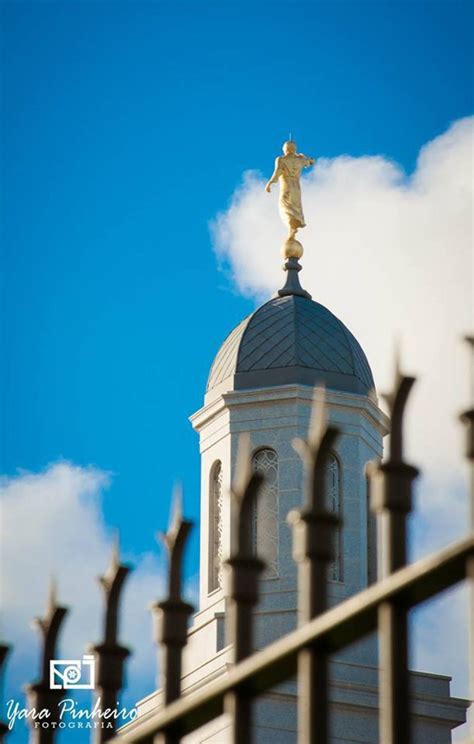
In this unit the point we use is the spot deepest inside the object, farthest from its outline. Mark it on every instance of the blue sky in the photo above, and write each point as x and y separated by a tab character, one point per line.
126	128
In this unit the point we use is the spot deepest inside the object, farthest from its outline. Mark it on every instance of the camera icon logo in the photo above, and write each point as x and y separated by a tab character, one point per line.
76	674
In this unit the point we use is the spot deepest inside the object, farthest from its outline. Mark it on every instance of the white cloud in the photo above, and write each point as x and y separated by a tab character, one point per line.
391	255
52	525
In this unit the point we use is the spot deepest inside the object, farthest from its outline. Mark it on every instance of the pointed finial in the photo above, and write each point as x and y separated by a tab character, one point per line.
171	615
243	567
52	601
470	342
319	417
397	355
115	565
176	518
243	466
52	606
244	492
396	401
177	503
174	541
116	550
49	627
112	582
42	694
317	425
315	450
314	524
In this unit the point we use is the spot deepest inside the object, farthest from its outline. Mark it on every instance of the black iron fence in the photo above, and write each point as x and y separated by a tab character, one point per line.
383	607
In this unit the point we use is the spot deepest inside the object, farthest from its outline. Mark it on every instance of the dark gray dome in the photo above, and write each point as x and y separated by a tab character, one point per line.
291	340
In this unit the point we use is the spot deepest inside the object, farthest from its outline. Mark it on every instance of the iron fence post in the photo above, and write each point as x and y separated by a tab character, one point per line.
242	571
467	419
313	549
110	655
171	617
391	499
40	695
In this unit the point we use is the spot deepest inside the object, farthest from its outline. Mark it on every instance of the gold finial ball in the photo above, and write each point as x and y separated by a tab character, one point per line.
291	248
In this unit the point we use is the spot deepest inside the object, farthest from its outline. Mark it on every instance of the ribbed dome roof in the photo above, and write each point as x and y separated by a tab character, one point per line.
291	339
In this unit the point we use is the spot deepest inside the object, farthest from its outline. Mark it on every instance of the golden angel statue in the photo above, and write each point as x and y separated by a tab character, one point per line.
288	169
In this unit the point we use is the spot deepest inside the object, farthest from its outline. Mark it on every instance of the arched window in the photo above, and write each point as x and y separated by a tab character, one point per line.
266	520
333	495
371	540
215	528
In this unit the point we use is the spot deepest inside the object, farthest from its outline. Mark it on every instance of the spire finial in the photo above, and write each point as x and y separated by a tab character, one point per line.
292	283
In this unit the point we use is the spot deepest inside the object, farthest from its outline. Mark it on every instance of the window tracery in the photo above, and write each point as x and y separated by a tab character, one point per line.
216	528
333	495
266	521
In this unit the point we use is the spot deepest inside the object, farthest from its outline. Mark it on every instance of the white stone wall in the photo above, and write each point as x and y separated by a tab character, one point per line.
273	418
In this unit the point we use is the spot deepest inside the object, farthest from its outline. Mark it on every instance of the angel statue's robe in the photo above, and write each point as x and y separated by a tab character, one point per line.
288	168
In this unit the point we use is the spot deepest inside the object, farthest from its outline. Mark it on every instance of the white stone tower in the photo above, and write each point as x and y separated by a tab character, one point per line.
261	383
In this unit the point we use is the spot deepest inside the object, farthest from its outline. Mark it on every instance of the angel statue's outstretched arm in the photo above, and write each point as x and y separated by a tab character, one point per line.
276	175
307	161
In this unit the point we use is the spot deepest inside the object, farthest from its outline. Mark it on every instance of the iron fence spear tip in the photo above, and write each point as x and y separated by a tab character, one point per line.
116	550
177	502
396	400
318	420
52	595
243	466
53	610
178	527
397	356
